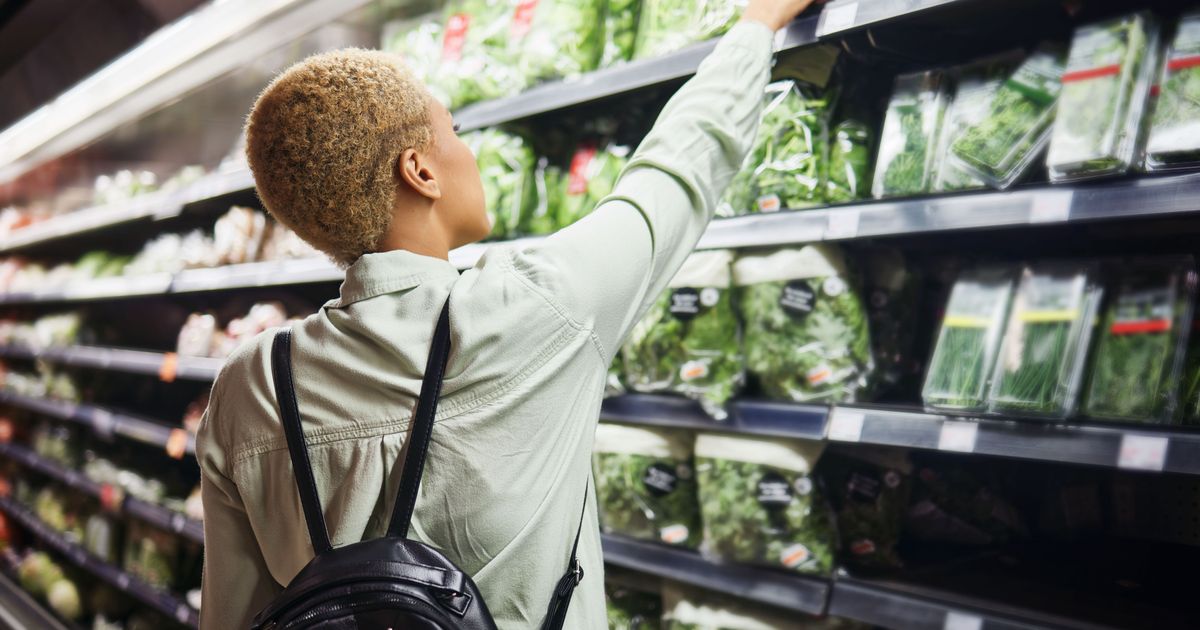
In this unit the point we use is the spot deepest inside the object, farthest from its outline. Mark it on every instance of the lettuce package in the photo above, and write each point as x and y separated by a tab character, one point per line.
868	489
668	25
1174	140
805	337
1001	147
592	176
631	608
620	31
645	484
688	342
908	141
760	504
1143	336
547	184
952	505
558	39
506	168
785	167
419	41
848	174
1104	92
477	61
975	86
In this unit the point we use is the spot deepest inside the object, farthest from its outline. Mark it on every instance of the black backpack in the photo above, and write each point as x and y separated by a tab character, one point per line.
390	582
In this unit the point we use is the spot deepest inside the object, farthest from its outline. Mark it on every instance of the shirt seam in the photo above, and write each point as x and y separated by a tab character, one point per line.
560	310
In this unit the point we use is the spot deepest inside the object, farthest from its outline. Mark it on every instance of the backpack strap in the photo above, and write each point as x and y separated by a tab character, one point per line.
285	394
556	615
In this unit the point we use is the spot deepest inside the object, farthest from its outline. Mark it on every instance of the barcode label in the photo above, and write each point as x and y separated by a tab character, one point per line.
845	426
1143	452
958	436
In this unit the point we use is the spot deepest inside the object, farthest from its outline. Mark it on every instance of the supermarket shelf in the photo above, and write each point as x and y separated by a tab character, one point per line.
103	422
840	16
19	611
751	417
791	592
120	360
161	601
155	515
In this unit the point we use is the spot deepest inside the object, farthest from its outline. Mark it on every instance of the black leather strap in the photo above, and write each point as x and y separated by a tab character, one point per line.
556	615
285	394
422	427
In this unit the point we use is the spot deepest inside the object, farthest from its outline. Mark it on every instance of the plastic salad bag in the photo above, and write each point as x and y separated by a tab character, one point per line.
547	183
849	162
592	175
558	38
477	62
1046	341
1174	140
868	489
908	141
645	485
968	342
419	41
784	169
1002	146
760	504
1104	92
806	336
688	342
506	165
1143	336
620	31
668	25
975	86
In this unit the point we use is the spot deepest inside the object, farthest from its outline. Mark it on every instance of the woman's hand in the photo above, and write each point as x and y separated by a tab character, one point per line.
774	13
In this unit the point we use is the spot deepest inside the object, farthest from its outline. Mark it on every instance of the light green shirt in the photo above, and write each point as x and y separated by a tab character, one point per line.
535	327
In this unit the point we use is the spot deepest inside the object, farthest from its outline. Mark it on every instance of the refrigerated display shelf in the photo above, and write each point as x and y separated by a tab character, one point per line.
19	611
840	16
751	417
166	603
107	423
156	515
121	360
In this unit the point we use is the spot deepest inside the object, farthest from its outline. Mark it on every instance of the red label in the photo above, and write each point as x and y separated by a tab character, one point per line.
1141	326
1183	63
580	165
862	547
110	497
522	18
1155	89
456	36
1093	73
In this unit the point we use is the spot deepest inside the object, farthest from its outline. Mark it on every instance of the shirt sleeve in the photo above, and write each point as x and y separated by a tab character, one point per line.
607	268
236	583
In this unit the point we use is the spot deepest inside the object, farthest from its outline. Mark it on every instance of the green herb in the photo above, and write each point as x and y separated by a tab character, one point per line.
968	342
419	42
1174	140
907	143
563	38
1190	388
668	25
620	31
478	62
975	87
592	176
548	184
506	166
849	162
869	490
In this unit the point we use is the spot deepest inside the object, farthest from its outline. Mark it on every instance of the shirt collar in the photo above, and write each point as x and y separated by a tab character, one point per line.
388	272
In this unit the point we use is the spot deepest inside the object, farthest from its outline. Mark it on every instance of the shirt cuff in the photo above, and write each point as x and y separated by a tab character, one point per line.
751	34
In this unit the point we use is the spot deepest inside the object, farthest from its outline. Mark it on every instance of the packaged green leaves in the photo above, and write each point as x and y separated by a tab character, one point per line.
805	336
593	174
869	490
969	339
760	504
1174	140
1046	341
668	25
1104	92
849	162
620	31
419	41
547	182
1143	337
645	484
908	141
1000	148
506	167
688	342
558	38
478	62
975	86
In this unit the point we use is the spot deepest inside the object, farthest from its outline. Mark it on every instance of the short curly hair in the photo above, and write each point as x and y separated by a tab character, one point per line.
322	141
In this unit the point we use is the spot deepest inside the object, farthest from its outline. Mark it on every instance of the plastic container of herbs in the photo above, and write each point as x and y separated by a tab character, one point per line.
1002	146
1174	139
760	504
805	326
1105	88
849	170
968	341
689	340
1043	355
975	86
908	141
1143	337
645	484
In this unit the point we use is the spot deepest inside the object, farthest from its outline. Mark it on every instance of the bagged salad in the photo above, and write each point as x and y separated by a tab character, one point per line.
645	484
592	176
975	86
785	168
419	40
968	341
908	141
688	342
557	39
849	162
1143	336
620	31
1000	148
1174	140
1046	341
506	165
805	336
868	489
760	504
668	25
1104	92
477	61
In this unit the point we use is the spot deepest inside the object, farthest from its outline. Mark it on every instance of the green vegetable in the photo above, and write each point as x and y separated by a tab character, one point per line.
419	41
908	140
37	573
1042	356
150	554
506	166
869	490
64	598
558	38
620	31
632	609
975	88
849	162
760	505
1190	388
806	336
1002	146
1174	140
548	185
478	61
592	176
1104	92
968	342
645	485
1139	354
668	25
688	341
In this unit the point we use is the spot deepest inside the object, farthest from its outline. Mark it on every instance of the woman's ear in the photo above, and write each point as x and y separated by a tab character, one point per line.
413	170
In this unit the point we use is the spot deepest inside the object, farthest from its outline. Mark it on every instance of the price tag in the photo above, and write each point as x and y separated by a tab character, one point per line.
183	613
845	426
843	223
956	620
839	17
1051	206
1143	452
177	443
123	581
103	423
169	367
177	522
958	436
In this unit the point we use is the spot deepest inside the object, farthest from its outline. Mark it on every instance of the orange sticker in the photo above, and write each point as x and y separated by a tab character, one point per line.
169	367
177	443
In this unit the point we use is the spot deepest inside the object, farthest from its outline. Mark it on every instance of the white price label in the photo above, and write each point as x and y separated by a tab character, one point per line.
843	223
177	522
1050	206
845	426
956	620
183	613
839	17
958	436
123	581
1143	452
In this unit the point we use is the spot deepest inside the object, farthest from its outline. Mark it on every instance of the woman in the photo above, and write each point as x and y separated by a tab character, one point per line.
349	151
